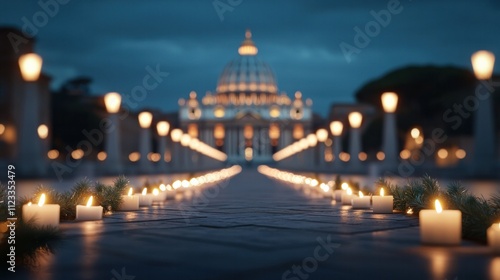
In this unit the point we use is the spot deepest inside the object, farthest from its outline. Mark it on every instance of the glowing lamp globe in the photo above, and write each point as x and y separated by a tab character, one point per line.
176	135
336	128
163	127
145	119
112	102
31	66
389	101
322	134
483	63
355	119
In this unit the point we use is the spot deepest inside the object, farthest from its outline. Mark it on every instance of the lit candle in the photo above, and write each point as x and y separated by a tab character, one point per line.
494	238
89	212
440	227
326	190
42	214
159	196
129	202
338	193
361	202
145	199
347	197
382	204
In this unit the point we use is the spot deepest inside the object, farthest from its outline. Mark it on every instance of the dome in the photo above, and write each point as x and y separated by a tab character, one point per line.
247	73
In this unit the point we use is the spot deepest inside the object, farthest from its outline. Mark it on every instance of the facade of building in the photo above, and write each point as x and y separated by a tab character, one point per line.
13	95
246	117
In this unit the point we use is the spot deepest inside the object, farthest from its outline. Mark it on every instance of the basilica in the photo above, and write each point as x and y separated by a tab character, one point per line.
246	117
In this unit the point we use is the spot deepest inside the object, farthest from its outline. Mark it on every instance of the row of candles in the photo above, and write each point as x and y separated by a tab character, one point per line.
49	214
437	226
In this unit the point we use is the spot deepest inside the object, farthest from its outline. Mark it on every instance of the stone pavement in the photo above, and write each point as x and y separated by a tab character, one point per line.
254	228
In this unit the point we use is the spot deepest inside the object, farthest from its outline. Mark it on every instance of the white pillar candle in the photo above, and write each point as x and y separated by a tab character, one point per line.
159	196
361	202
440	227
42	214
382	204
338	193
145	199
347	197
129	202
494	237
88	212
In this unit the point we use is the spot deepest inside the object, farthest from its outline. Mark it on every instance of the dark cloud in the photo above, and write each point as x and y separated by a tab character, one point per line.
113	41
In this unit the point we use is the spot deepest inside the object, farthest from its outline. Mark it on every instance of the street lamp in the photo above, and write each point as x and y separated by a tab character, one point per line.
112	101
145	119
162	127
484	131
336	128
30	155
355	119
389	140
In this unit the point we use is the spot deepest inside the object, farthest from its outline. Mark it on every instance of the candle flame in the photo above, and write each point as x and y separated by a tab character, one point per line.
130	191
439	209
42	200
144	191
155	192
344	186
382	192
349	191
89	203
361	194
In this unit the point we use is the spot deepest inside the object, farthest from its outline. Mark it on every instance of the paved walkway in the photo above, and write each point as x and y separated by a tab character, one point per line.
256	228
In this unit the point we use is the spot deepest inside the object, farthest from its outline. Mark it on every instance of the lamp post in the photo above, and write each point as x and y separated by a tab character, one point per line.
176	135
30	155
321	135
112	101
484	131
355	119
389	141
145	119
336	128
162	127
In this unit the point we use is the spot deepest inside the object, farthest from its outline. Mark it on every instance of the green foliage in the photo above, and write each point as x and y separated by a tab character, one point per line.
477	214
32	242
110	197
415	194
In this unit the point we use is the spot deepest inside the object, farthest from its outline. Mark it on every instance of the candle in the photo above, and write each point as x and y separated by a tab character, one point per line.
338	193
159	196
347	197
494	237
440	227
42	214
361	202
382	204
129	202
145	199
326	190
88	212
